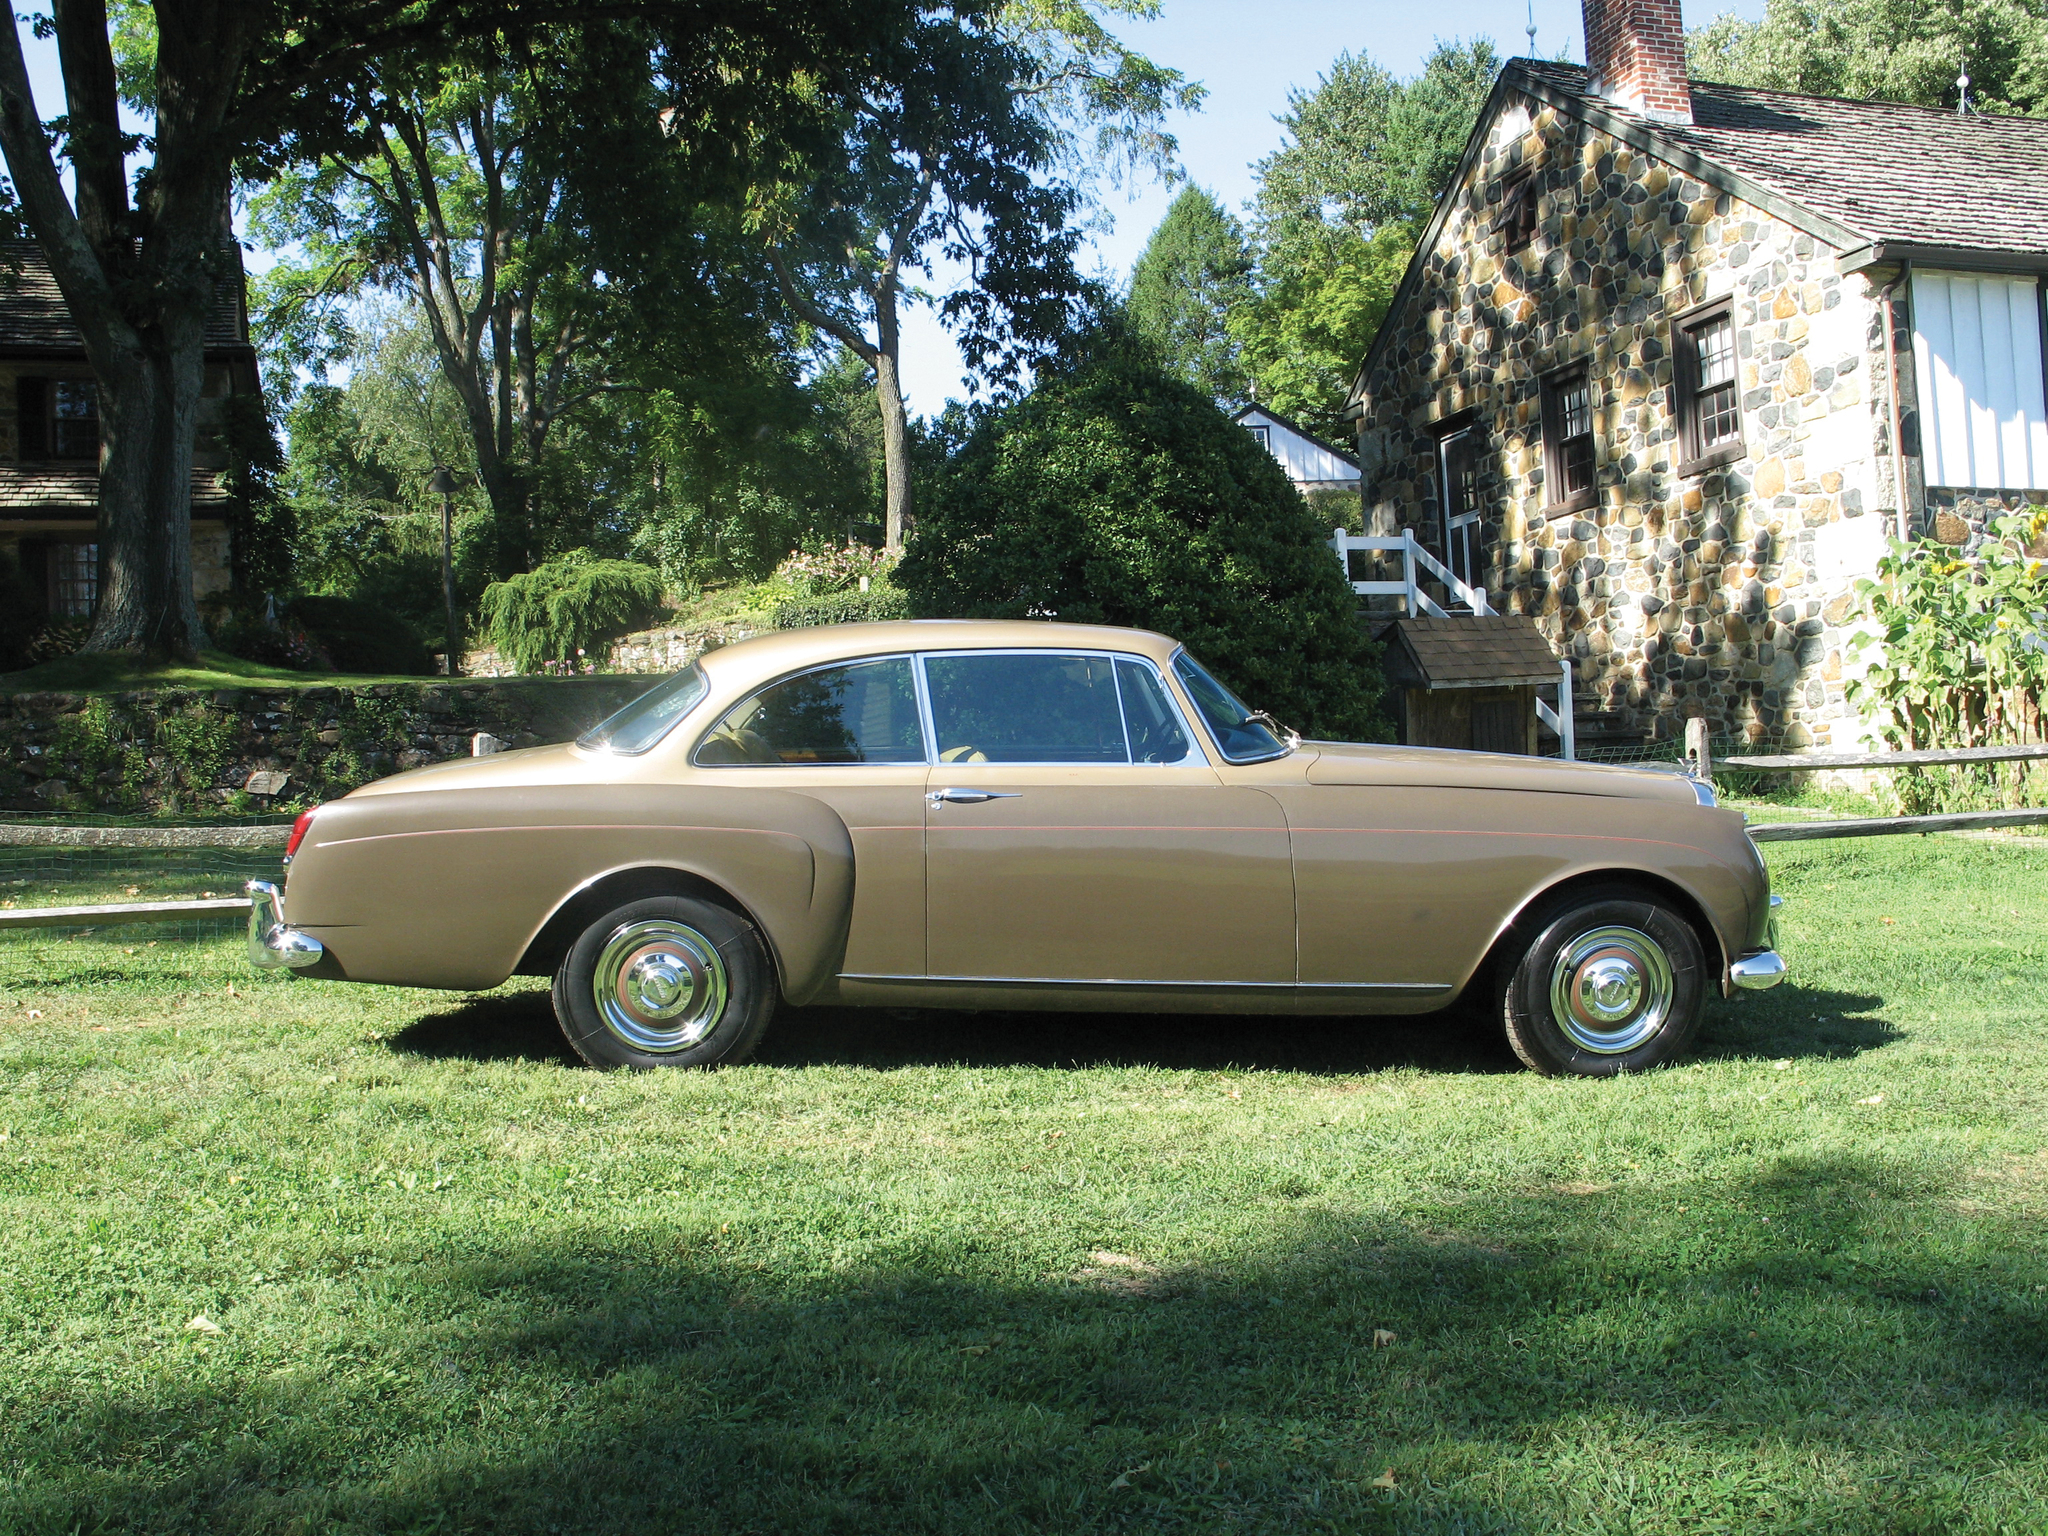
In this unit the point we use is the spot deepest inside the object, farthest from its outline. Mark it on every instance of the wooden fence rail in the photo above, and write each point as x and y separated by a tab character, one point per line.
1802	762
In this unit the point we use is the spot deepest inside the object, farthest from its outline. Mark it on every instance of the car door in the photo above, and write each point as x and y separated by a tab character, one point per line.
851	735
1076	833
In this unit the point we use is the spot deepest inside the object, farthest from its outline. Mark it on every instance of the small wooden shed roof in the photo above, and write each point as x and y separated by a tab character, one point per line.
1467	650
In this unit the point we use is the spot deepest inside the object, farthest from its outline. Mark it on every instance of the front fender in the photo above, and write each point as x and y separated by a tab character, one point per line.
448	888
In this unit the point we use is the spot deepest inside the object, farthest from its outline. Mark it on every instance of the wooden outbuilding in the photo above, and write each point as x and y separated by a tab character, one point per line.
1467	681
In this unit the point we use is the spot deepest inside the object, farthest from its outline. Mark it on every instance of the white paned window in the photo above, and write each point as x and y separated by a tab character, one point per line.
1977	351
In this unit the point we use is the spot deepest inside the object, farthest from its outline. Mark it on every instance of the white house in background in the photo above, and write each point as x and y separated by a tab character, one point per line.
1311	463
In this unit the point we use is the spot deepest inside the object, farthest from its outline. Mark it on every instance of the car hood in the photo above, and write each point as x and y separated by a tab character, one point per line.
1440	768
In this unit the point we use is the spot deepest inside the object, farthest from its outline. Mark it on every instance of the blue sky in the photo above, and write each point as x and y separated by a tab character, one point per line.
1251	56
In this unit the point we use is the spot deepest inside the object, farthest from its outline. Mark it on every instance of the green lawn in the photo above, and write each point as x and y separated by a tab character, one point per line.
113	672
996	1274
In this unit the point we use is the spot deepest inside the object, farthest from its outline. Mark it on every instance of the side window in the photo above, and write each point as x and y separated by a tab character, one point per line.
1025	707
1151	725
865	712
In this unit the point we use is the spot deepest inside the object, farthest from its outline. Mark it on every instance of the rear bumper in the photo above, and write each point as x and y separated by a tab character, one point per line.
273	945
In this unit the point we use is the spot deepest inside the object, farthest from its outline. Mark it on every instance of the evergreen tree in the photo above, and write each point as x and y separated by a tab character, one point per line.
1195	269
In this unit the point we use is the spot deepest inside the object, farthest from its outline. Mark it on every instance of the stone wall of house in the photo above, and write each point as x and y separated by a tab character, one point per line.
1721	595
196	751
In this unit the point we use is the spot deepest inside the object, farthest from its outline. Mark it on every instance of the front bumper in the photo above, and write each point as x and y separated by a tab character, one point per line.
1753	973
1763	968
272	945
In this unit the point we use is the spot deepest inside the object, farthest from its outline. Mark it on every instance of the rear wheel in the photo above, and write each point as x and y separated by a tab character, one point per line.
1613	981
668	981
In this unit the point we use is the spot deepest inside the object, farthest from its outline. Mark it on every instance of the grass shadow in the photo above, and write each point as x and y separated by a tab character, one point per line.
1829	1327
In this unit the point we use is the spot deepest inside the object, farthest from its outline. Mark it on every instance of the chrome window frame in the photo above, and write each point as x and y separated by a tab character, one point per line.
1208	735
1194	757
924	726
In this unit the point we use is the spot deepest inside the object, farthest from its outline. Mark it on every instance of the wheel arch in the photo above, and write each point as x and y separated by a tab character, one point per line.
583	906
1688	906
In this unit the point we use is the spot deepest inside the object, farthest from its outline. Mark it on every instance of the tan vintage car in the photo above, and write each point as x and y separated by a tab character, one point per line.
1022	816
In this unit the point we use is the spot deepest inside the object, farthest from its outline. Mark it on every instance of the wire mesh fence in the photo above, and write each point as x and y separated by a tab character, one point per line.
64	873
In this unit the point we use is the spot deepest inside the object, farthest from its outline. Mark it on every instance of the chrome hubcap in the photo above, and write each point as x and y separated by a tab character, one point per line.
660	985
1611	990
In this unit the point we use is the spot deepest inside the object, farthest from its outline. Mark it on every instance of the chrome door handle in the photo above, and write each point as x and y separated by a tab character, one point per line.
970	796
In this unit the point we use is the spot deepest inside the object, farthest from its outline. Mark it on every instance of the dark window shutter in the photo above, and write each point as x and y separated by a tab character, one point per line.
32	417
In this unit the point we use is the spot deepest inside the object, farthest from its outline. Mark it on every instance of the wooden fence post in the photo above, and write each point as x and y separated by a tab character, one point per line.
1698	756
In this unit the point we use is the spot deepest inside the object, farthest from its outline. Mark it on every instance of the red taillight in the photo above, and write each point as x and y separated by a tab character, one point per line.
298	833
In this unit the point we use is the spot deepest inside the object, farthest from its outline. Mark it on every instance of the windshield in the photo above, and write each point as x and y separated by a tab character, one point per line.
1239	737
648	718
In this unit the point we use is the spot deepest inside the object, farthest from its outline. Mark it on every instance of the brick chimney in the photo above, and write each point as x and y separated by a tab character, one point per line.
1635	53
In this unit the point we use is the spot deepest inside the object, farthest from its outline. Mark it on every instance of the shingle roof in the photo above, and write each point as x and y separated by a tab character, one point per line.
1468	650
46	491
33	312
1889	173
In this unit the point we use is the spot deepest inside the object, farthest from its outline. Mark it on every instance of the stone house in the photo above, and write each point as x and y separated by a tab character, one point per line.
1673	358
50	441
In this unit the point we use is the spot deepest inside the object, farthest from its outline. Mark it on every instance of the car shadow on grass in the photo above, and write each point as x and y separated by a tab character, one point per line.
1835	1329
1802	1023
518	1026
1462	1039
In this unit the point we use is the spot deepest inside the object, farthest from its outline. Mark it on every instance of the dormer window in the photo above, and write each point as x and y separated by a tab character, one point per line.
57	418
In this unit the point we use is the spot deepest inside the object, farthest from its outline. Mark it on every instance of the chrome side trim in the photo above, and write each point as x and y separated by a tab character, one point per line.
273	946
1755	973
1376	988
1703	792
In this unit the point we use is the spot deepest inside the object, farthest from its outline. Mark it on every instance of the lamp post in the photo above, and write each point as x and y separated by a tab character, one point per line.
443	486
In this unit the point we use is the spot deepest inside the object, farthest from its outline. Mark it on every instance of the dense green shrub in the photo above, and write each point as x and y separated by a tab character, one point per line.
358	636
879	603
567	606
1115	494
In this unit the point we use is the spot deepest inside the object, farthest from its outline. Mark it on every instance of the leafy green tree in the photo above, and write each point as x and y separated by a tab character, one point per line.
1118	494
238	87
973	151
1886	50
1336	214
1194	271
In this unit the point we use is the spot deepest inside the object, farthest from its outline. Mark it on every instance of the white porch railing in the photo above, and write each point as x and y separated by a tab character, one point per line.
1560	719
1415	559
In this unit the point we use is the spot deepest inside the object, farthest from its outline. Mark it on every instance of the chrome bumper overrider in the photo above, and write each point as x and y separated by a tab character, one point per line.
1755	972
272	945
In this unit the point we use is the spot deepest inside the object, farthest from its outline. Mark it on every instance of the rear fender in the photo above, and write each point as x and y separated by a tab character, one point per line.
451	889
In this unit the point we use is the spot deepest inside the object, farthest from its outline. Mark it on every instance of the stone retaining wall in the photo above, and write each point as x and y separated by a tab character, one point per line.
275	748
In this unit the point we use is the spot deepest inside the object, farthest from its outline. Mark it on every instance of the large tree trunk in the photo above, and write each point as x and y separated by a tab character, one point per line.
140	285
149	406
895	430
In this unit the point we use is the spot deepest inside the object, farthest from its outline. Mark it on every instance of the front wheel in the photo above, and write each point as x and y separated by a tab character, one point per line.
1613	981
669	981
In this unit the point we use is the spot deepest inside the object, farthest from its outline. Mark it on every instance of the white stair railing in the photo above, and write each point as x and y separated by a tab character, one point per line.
1414	560
1560	719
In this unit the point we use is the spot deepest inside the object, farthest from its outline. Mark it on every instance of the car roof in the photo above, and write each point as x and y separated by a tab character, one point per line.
790	650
